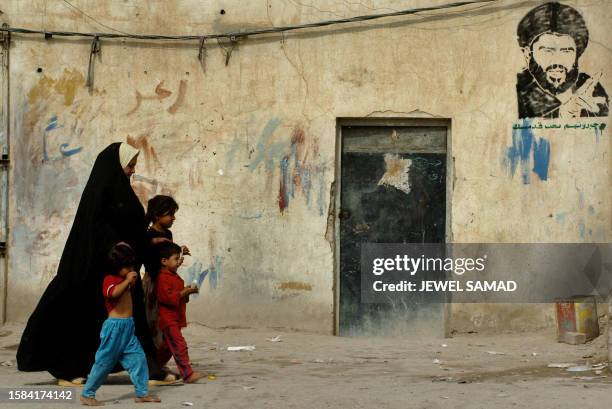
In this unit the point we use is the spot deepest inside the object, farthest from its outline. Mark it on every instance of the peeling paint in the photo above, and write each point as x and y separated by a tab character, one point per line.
331	217
397	173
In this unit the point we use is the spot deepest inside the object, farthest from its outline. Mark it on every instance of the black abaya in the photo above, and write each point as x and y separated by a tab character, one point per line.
63	333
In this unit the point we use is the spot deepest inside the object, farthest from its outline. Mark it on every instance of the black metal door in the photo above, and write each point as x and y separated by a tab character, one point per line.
393	190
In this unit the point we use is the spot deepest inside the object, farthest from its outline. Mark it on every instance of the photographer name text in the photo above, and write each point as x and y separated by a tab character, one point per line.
446	286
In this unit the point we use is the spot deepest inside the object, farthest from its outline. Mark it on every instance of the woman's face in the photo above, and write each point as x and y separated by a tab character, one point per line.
130	169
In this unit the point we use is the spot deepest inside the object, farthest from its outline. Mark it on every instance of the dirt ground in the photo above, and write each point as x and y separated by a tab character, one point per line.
319	371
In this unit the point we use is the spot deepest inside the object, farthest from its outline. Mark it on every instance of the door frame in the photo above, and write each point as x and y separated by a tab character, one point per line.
450	182
5	130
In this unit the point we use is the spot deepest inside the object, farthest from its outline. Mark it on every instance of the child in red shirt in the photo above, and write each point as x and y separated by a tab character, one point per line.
118	340
172	296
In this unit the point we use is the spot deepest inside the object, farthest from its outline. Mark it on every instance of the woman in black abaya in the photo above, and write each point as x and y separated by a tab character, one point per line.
63	332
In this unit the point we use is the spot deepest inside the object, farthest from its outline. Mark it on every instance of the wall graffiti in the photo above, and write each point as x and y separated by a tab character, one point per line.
528	151
553	37
299	165
196	273
160	94
64	148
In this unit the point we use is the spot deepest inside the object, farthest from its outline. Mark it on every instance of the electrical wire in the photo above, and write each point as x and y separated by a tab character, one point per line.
238	34
78	10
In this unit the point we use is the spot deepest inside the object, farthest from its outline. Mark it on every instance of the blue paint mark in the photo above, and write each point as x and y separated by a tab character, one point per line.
263	142
275	151
63	148
192	272
524	145
306	185
581	229
591	210
69	152
53	124
321	201
541	158
560	218
196	273
522	140
215	272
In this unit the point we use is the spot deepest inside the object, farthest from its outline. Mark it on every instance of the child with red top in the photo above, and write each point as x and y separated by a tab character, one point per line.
118	342
172	297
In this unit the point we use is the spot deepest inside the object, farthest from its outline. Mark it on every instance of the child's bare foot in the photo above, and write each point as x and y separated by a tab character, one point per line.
194	377
90	401
147	399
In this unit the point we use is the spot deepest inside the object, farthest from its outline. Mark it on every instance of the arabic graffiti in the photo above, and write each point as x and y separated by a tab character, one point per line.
553	37
529	125
64	150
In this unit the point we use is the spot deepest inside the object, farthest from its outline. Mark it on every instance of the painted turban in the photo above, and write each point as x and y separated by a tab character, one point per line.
553	18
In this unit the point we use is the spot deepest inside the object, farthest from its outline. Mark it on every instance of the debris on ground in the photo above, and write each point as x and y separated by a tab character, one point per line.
561	365
580	368
275	339
242	348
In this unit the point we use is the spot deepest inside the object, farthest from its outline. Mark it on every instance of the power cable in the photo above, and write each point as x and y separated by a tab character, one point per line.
237	34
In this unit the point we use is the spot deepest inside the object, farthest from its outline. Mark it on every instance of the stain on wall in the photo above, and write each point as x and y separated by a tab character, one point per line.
66	85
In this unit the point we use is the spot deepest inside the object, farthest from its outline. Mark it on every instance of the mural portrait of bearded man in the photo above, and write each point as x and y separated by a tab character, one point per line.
553	37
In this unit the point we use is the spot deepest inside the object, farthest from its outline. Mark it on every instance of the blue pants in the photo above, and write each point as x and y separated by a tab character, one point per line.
118	344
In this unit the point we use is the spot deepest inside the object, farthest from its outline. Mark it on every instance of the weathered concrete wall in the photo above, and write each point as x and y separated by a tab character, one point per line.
221	141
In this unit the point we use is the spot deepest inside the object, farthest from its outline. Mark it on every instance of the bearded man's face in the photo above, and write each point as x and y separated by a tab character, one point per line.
553	62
